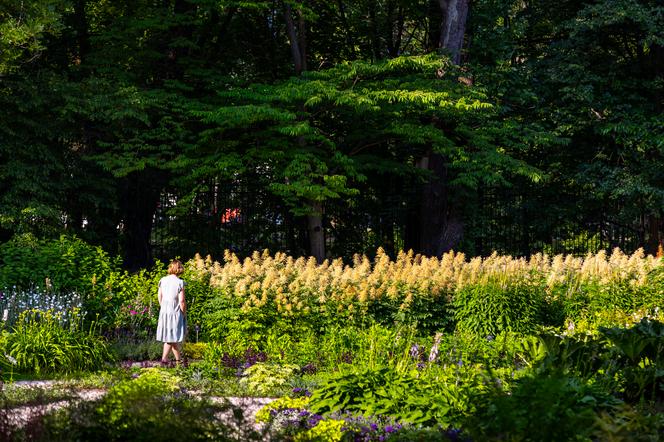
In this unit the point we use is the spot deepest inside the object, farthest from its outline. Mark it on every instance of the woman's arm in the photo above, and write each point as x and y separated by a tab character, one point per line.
183	304
159	296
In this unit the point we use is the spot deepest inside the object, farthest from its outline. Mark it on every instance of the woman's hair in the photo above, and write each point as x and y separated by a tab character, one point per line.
175	267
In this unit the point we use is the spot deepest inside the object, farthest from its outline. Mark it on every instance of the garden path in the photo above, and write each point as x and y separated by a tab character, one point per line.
20	416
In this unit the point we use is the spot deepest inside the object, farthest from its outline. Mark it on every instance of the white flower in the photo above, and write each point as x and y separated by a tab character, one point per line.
10	359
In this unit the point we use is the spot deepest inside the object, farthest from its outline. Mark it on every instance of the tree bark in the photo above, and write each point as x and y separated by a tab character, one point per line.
435	20
434	224
453	26
298	44
315	230
437	217
81	24
298	56
139	199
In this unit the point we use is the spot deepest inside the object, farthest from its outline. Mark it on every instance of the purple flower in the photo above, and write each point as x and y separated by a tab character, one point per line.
314	419
389	429
374	426
414	351
309	369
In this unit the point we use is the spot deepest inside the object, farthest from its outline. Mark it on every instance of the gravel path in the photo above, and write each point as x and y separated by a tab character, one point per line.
20	416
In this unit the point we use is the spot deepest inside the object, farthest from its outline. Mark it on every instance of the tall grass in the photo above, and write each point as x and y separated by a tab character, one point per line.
42	342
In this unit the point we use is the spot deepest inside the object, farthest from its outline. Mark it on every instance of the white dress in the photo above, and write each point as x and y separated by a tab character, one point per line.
172	326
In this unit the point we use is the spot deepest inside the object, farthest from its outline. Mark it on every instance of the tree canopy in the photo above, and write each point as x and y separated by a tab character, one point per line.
353	124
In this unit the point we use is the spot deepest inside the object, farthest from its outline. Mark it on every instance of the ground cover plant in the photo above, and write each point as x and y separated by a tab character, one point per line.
495	348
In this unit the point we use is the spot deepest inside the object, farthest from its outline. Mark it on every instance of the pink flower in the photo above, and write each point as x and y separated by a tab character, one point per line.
133	312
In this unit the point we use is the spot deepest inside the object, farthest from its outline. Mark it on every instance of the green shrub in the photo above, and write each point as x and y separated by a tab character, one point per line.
194	350
149	350
440	396
498	305
282	403
265	379
69	263
151	407
198	293
41	342
637	359
539	408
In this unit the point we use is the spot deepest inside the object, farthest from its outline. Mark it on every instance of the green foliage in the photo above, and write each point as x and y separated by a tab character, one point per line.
629	424
581	355
638	359
319	127
497	305
194	350
625	360
264	379
440	396
540	408
149	350
48	342
329	430
60	265
282	403
198	292
138	409
23	29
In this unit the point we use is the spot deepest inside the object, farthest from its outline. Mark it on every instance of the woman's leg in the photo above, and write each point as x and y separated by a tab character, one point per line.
176	351
164	354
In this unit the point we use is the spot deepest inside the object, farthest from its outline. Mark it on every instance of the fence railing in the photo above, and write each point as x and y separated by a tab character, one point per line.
243	217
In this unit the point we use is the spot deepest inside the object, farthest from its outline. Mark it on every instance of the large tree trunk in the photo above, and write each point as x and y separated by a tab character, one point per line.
139	200
435	225
441	225
81	26
315	230
296	41
453	26
298	45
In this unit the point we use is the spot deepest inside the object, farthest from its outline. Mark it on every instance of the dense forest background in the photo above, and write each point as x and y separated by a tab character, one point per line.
166	127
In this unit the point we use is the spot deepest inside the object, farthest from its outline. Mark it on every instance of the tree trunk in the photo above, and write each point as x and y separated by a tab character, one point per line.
298	42
81	25
315	230
437	218
435	225
654	238
139	201
299	62
453	26
434	19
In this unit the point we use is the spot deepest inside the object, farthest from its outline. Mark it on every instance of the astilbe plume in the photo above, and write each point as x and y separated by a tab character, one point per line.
300	286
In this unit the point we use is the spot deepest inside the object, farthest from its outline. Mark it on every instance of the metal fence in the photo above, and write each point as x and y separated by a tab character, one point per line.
520	223
243	217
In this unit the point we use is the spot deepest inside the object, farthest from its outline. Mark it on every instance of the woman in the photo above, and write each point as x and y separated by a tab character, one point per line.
172	325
